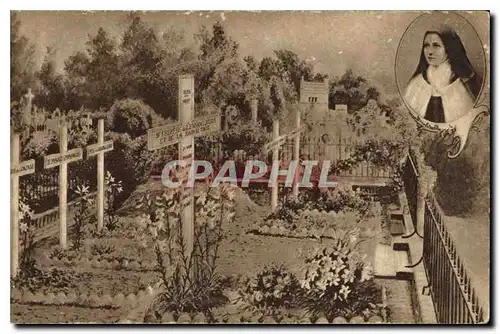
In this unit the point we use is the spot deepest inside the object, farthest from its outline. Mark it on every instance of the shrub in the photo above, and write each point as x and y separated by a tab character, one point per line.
132	117
338	281
130	161
337	200
289	208
463	183
244	136
272	287
101	249
345	199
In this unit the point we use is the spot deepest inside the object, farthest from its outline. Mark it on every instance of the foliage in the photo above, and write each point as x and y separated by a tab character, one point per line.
272	287
341	199
288	209
191	280
27	230
102	249
345	199
244	136
22	60
51	93
54	279
129	161
355	91
338	280
462	186
39	144
113	188
83	215
132	117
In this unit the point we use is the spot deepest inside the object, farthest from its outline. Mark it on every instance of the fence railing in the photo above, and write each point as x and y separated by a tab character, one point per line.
335	152
310	150
41	189
455	300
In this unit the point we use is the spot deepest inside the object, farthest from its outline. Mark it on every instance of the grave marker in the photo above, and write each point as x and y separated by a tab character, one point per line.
62	159
99	149
183	133
17	169
274	145
296	150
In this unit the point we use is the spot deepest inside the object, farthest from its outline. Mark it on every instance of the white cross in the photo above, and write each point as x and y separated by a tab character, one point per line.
183	133
17	169
99	149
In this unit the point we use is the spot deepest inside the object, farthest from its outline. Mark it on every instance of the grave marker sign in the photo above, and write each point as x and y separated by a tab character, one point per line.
183	134
62	159
99	149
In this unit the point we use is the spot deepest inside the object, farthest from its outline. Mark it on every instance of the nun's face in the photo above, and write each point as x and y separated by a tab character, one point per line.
434	50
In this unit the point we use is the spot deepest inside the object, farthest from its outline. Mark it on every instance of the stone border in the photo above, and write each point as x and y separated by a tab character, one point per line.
199	318
82	299
94	262
233	315
305	233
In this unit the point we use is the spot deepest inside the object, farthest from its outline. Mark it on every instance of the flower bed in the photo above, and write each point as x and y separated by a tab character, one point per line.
316	224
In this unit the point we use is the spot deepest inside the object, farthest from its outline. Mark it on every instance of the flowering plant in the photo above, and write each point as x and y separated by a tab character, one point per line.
272	287
190	277
83	215
27	234
113	188
334	277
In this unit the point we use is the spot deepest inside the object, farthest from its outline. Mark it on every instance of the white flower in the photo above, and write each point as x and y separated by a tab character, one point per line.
366	273
344	290
82	190
23	227
348	276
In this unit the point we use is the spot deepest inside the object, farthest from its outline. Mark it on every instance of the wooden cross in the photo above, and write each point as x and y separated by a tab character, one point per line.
17	169
99	149
274	145
62	159
183	133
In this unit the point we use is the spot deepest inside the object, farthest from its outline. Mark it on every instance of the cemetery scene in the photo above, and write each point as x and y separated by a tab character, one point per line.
242	168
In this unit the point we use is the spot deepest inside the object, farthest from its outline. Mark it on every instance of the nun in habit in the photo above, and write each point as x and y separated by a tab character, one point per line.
444	86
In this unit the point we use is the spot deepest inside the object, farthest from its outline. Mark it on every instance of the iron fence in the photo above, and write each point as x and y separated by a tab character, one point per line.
41	189
455	300
310	149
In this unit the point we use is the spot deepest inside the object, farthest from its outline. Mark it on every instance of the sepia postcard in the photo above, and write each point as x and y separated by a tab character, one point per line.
250	167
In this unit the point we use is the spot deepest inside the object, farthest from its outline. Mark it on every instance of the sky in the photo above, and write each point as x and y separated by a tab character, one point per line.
333	42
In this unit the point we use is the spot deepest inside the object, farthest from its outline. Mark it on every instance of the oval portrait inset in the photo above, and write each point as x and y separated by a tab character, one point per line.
440	72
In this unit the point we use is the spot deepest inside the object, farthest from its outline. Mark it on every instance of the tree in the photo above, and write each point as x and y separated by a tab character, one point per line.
51	94
22	67
142	65
217	52
355	90
102	70
76	80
